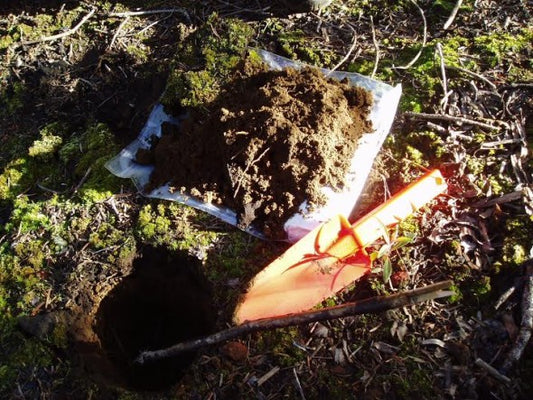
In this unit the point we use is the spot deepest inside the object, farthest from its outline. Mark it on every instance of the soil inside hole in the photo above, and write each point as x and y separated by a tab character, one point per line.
269	142
164	301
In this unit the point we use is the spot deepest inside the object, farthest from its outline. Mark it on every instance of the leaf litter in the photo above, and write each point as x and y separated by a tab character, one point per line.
437	372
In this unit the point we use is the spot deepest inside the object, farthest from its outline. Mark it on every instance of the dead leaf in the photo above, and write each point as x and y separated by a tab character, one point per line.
236	351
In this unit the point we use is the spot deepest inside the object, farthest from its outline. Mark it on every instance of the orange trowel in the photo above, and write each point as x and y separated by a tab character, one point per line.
330	257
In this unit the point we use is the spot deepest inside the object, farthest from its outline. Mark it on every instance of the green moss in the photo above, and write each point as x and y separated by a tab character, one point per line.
278	344
297	46
40	167
27	217
457	295
21	360
150	223
475	166
13	179
11	98
139	53
363	67
50	142
171	224
49	24
415	155
94	148
231	261
517	239
497	47
105	235
444	6
410	101
31	253
481	287
409	227
194	88
500	184
216	55
417	384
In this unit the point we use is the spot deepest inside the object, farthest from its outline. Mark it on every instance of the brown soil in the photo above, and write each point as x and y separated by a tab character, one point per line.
270	141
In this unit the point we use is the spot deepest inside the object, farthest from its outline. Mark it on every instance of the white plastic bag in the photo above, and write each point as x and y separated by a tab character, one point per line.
386	100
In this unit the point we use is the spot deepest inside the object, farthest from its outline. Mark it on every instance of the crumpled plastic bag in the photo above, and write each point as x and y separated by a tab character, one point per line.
386	100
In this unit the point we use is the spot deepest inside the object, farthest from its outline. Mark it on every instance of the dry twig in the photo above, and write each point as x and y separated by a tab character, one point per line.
350	50
450	118
376	46
63	34
372	305
446	94
491	370
424	40
115	36
128	14
452	16
471	73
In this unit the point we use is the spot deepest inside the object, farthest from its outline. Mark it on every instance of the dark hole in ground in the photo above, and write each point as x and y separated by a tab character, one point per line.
164	301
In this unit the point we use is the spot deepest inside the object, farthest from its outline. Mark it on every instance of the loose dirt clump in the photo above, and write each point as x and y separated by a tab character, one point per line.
269	142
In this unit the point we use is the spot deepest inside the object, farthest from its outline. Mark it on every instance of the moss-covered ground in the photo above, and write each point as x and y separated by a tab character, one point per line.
69	230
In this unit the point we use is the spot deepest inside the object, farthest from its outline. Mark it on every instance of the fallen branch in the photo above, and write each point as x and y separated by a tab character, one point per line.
372	305
450	118
526	326
63	34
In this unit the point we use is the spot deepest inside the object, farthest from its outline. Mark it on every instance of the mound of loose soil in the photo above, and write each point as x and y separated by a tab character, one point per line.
270	141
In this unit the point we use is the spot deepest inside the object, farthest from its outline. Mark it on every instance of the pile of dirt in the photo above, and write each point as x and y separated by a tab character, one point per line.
269	142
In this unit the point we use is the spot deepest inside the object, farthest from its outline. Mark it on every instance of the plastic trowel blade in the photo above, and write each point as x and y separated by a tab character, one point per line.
330	257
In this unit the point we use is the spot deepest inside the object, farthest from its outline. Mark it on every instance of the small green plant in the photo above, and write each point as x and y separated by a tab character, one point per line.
393	242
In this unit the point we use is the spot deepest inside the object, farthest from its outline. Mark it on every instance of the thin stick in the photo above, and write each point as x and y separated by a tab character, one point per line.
415	59
523	85
124	22
350	50
298	384
453	14
373	305
471	73
151	12
376	46
82	181
491	370
63	34
444	100
450	118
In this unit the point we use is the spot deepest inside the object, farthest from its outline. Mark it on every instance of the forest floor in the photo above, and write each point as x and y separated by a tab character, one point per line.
78	81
